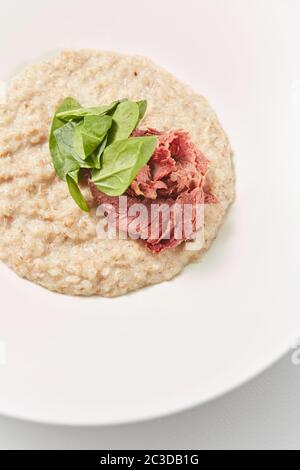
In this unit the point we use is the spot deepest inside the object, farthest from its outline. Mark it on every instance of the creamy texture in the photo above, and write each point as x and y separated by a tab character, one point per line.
44	236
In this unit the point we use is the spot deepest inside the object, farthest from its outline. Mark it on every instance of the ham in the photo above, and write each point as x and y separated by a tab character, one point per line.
174	179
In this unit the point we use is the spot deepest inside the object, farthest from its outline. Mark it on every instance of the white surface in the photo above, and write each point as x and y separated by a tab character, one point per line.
172	346
264	414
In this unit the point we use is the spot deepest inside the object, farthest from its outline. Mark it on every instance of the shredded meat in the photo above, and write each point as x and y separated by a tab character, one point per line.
175	177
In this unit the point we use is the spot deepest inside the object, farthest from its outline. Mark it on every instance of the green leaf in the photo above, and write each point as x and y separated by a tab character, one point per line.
76	194
95	158
121	162
142	109
80	113
70	160
57	158
79	138
75	175
125	120
66	163
90	134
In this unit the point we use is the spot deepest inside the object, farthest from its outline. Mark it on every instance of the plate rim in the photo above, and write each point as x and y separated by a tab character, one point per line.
144	418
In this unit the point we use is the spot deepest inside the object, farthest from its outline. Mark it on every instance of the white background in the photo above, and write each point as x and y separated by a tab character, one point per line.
264	414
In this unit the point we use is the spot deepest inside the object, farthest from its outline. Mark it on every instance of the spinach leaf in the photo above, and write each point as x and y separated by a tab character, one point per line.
89	134
57	158
76	194
142	109
70	159
99	138
64	141
121	162
79	113
95	158
125	120
75	175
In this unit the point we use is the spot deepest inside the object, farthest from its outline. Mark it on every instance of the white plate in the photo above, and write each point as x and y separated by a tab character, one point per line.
95	361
